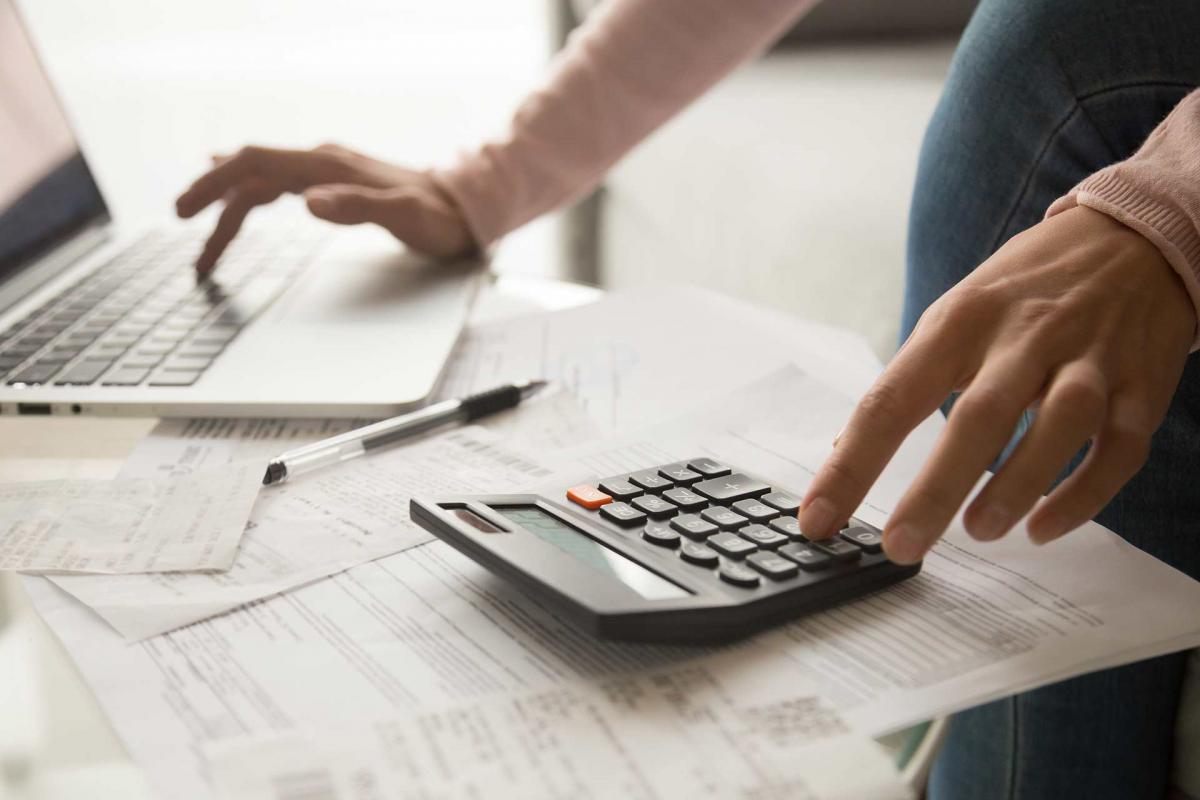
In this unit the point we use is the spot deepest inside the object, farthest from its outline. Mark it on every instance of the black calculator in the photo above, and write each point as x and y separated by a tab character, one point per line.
692	551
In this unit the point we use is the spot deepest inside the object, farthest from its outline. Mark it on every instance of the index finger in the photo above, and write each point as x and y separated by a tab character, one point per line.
911	388
285	170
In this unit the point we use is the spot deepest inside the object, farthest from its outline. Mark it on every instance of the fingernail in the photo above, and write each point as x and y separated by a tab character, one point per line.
818	518
1046	529
992	522
837	437
902	545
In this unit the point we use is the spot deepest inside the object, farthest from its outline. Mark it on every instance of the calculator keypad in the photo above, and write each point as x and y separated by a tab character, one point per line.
737	528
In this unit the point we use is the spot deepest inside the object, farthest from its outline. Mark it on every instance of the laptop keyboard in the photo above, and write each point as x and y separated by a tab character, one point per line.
142	318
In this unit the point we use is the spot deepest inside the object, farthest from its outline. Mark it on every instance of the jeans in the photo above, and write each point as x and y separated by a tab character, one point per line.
1041	94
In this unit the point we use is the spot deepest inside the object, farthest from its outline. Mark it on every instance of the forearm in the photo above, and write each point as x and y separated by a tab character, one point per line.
1157	193
628	69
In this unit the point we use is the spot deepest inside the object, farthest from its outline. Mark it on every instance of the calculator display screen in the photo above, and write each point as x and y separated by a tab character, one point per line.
591	552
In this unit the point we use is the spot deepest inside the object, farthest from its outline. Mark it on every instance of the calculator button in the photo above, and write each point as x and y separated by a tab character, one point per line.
693	527
679	474
622	513
731	488
654	506
809	559
756	510
783	501
620	489
723	518
763	536
839	550
686	499
870	541
789	527
709	468
738	575
774	567
588	496
731	544
660	533
698	554
650	480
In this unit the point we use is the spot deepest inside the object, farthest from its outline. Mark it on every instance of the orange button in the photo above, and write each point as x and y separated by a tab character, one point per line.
587	496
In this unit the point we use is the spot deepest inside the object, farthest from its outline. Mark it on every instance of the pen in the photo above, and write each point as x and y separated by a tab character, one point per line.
390	431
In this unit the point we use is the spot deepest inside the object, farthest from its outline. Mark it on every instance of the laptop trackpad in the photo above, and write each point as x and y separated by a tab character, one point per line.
349	285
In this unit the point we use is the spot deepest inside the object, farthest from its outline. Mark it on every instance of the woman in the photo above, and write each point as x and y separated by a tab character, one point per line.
1053	260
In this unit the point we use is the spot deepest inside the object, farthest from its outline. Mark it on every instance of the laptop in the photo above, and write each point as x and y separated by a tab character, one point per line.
296	320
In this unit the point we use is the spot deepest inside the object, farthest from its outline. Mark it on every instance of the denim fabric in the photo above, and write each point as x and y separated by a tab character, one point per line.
1041	94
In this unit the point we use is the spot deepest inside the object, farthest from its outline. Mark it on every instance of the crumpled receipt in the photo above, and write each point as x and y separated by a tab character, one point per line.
127	526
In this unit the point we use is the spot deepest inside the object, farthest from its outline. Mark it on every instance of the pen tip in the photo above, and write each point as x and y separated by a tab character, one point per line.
275	473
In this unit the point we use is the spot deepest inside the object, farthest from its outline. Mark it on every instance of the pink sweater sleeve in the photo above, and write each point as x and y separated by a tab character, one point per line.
1157	193
627	70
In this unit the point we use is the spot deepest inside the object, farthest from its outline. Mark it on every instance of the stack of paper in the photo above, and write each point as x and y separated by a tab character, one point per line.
427	649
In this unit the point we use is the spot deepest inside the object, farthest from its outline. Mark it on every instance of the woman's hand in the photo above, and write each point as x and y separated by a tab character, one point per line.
339	185
1080	316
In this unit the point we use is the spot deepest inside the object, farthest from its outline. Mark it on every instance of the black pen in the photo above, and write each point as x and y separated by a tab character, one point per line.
390	431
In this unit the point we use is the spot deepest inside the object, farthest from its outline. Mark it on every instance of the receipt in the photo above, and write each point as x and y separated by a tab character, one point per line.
135	525
692	731
326	521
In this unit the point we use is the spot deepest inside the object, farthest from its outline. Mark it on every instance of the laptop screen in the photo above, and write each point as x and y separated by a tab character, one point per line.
47	192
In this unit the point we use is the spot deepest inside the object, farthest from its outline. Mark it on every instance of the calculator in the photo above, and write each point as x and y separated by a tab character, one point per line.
693	551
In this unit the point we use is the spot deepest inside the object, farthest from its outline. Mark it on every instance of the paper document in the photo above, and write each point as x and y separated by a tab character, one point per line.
694	731
127	526
325	521
633	360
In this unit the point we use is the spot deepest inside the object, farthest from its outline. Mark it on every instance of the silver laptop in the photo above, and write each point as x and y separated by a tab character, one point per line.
296	321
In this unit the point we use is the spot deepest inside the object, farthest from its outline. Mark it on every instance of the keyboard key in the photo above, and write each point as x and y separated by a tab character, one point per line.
679	474
809	559
215	334
198	349
788	526
783	501
175	378
763	536
739	575
839	550
622	513
620	489
655	507
693	527
126	376
731	488
153	349
659	533
774	567
650	481
698	554
870	541
756	510
731	544
84	373
588	496
178	362
7	362
140	362
34	374
686	499
709	468
723	518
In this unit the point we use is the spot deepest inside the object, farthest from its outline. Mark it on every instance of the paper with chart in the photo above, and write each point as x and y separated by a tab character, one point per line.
693	731
635	359
323	522
428	626
135	525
